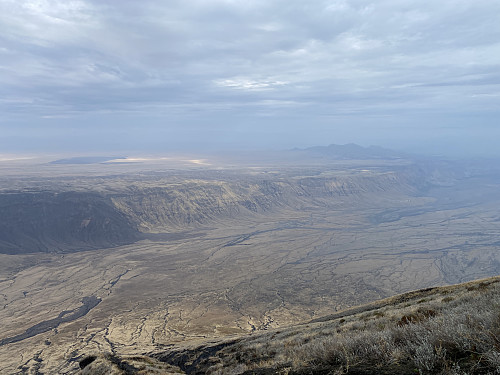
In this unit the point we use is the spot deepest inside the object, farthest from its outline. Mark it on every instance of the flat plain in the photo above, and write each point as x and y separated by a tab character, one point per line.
216	250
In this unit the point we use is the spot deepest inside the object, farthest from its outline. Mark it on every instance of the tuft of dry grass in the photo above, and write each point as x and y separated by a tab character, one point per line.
110	364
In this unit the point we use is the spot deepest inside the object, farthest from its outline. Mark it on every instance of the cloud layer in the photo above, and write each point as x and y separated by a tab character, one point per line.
230	72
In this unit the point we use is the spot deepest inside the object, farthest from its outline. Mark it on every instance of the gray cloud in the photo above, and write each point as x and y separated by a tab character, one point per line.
299	72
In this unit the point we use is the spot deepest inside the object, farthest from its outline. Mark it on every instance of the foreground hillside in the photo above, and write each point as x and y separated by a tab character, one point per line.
443	330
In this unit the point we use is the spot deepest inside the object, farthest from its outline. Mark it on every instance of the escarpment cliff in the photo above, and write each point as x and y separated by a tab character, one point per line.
61	222
193	203
71	221
198	202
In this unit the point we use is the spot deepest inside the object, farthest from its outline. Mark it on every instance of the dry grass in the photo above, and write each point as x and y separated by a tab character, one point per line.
109	364
447	330
454	330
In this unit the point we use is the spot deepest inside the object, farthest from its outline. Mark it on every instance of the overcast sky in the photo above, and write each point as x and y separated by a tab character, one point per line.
151	75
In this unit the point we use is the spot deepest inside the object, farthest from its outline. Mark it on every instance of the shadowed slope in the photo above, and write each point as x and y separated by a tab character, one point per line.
61	222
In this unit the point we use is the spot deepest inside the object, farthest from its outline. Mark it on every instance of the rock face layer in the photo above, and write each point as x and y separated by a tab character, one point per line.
192	203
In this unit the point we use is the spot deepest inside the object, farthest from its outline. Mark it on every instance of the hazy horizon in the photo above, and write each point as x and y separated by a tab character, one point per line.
93	76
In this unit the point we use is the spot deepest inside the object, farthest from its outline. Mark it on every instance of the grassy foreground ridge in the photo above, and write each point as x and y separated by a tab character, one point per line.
443	330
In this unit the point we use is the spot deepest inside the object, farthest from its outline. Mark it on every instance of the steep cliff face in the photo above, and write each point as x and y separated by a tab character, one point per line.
53	222
198	202
362	183
72	221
